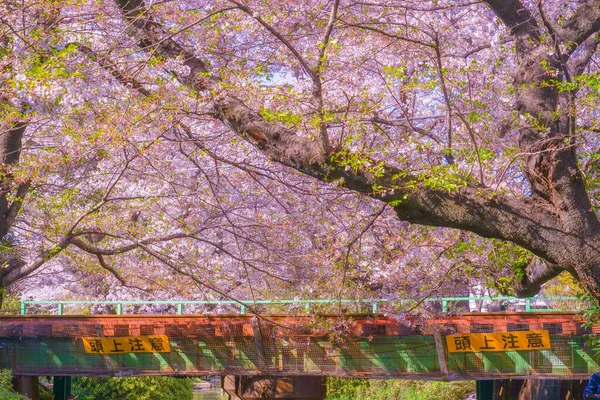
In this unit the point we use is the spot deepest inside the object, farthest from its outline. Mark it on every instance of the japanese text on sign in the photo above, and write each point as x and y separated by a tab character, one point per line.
506	341
128	344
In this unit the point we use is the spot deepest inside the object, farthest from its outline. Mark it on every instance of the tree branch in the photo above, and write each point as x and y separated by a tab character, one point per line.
112	69
327	35
479	48
583	58
408	126
440	70
555	43
281	38
582	24
110	269
165	260
116	274
537	273
20	270
368	27
15	206
90	248
517	18
318	87
475	147
151	36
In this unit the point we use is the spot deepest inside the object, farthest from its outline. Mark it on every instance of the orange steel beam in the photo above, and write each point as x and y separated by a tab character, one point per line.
114	325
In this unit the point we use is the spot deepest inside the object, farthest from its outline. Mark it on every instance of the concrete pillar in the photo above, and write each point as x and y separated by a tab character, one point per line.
531	389
27	385
274	387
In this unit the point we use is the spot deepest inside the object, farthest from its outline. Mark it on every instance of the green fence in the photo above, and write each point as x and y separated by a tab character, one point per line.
446	304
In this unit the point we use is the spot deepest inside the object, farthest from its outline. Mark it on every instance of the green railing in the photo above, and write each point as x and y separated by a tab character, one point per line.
528	303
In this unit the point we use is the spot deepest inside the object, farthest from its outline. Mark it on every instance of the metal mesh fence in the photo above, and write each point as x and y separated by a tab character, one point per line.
353	345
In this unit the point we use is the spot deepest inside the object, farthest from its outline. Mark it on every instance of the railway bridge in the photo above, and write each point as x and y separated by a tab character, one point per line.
277	355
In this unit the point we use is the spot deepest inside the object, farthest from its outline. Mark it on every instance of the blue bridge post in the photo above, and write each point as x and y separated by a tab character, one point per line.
62	387
484	389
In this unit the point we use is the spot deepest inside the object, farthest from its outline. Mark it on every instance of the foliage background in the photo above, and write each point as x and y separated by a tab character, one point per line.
136	191
135	388
373	389
6	392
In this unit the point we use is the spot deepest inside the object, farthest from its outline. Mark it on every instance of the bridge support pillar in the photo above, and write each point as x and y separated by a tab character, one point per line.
485	390
62	387
274	387
27	385
530	389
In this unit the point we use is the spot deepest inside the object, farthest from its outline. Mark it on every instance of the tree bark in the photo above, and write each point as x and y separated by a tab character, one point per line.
10	151
537	273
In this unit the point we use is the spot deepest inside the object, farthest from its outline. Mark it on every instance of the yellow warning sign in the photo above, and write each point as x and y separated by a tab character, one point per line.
127	344
505	341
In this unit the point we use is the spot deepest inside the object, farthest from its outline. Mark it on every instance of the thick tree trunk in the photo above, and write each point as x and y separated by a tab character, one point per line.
10	151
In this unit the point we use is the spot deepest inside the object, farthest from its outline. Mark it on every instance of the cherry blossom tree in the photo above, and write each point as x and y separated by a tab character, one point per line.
242	147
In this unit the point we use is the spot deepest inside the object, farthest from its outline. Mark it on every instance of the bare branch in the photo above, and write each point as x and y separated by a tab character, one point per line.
165	260
472	135
365	228
318	86
16	271
440	70
112	69
369	27
90	248
408	126
279	36
116	274
479	48
19	270
327	35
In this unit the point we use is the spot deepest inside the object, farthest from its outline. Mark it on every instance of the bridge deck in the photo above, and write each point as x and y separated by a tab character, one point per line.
359	345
